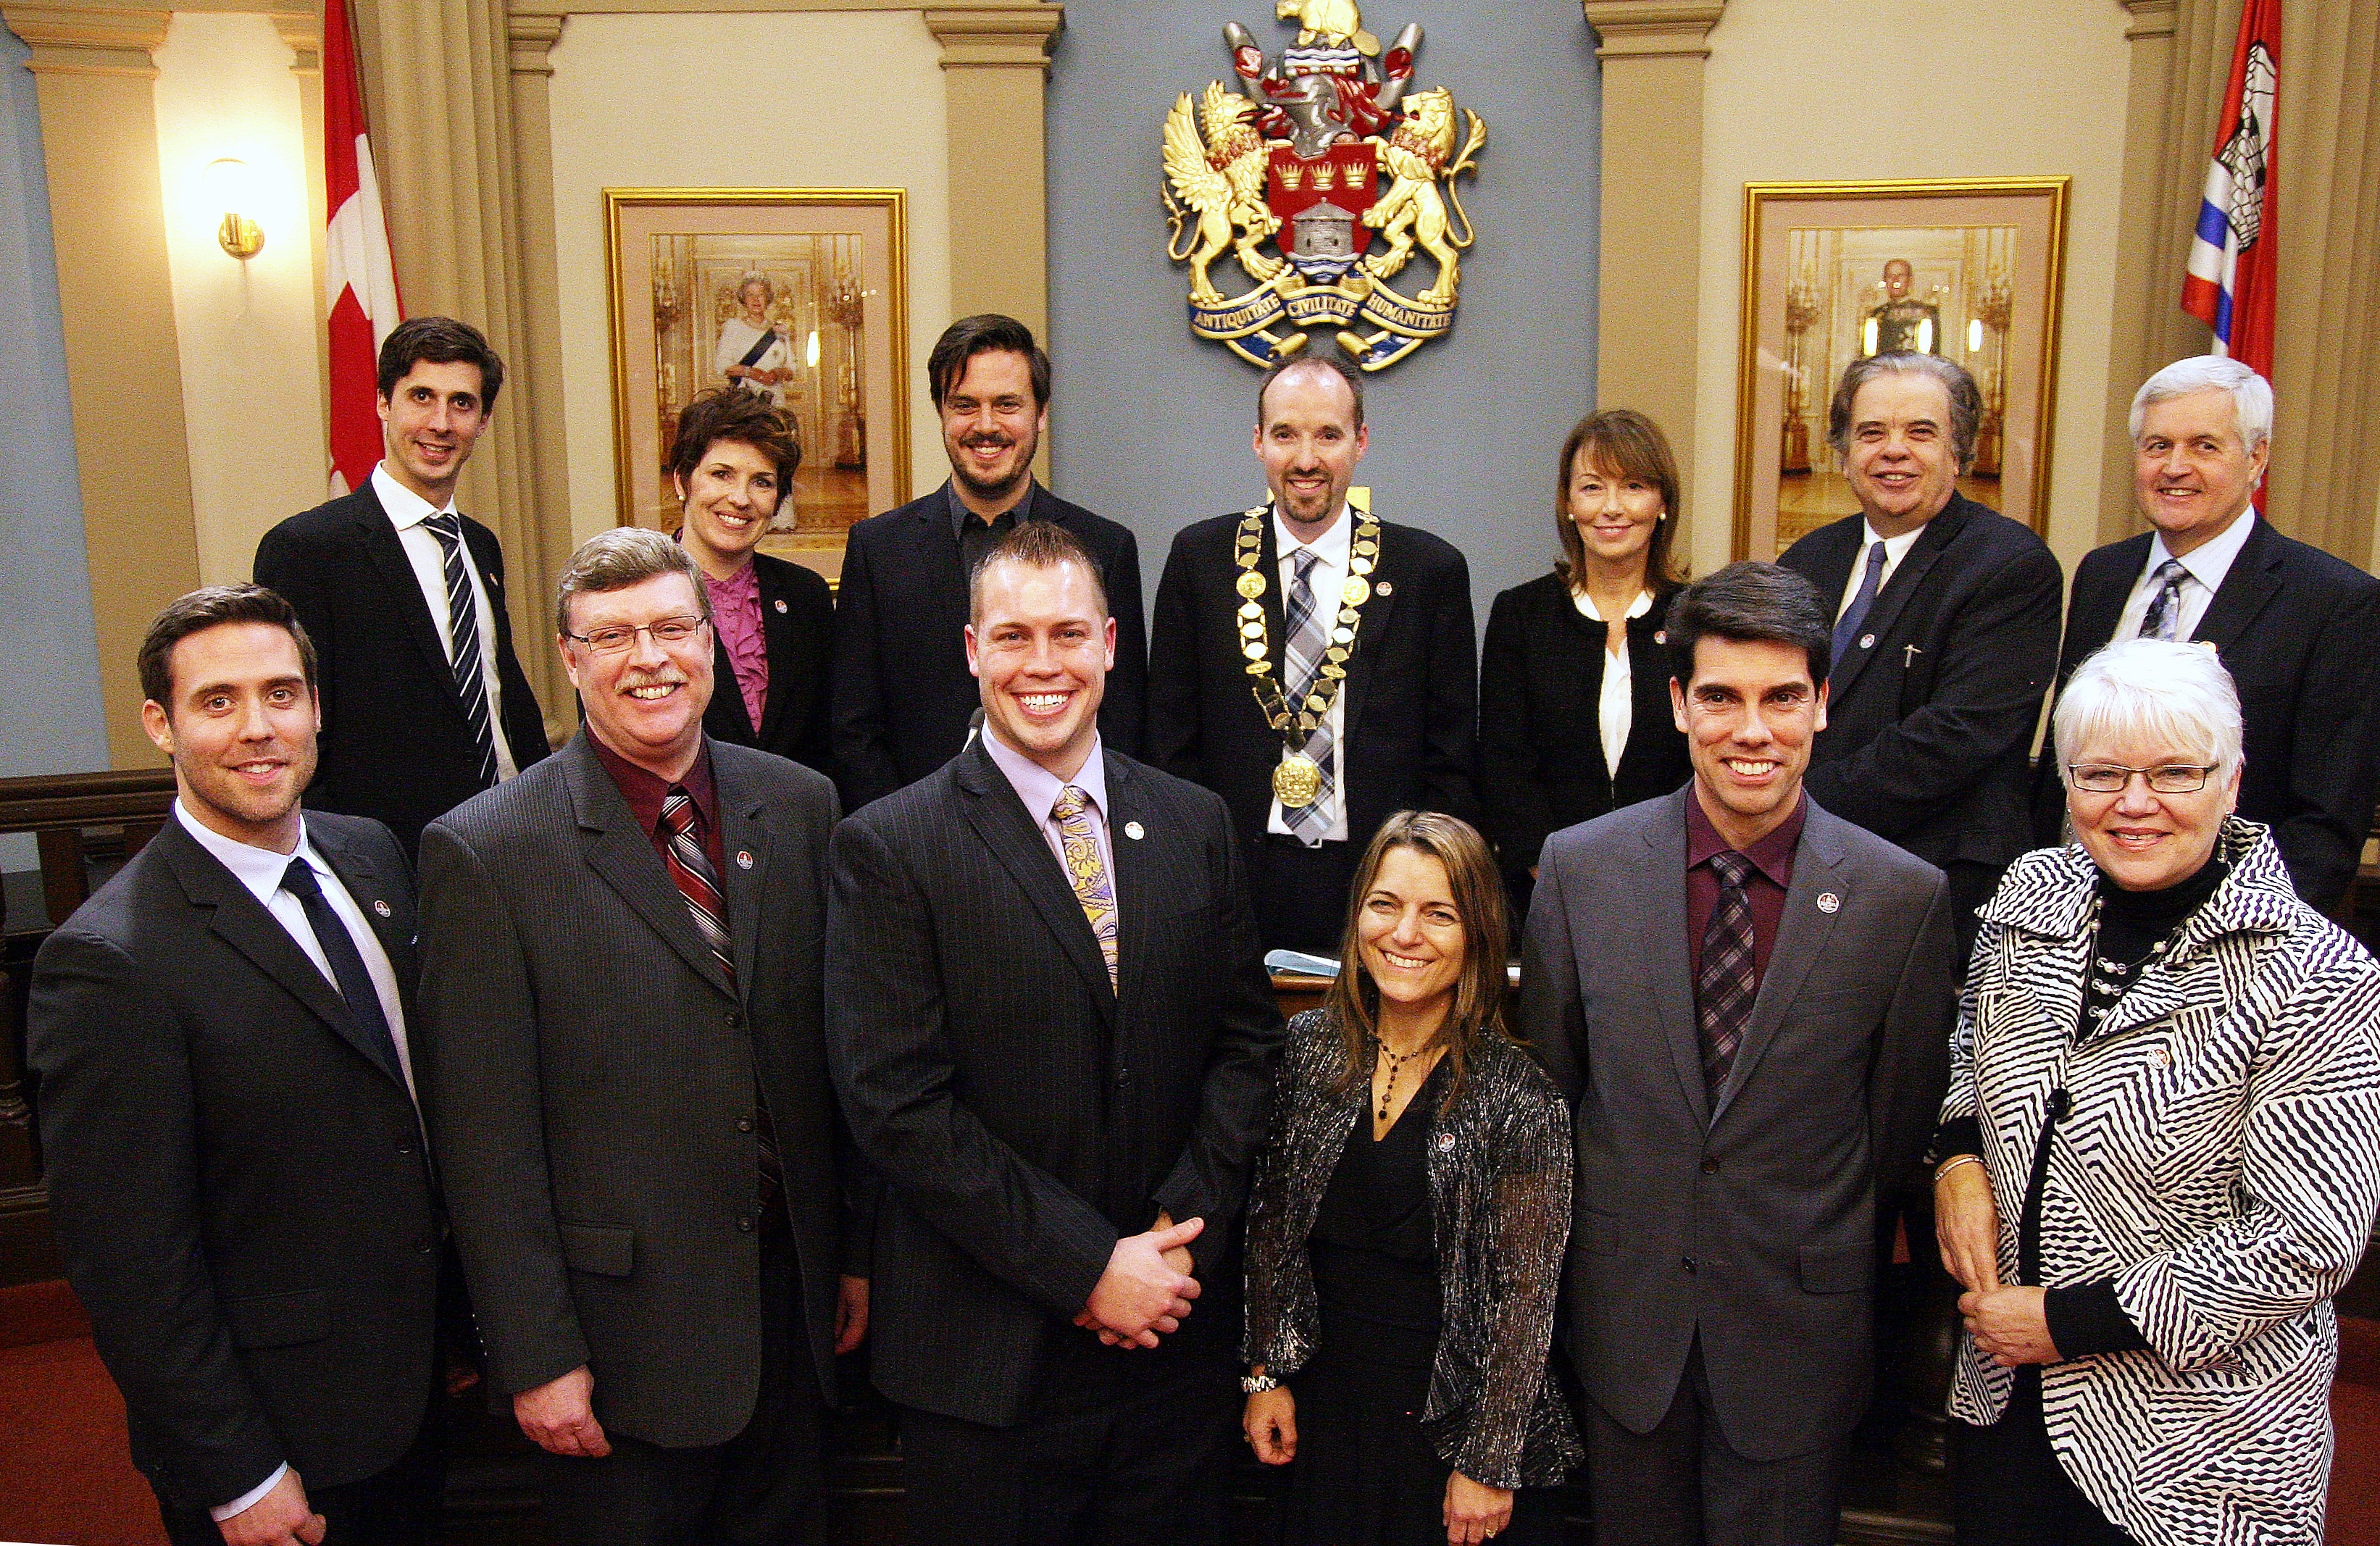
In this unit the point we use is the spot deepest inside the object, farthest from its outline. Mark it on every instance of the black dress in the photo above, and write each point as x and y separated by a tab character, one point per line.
1365	1473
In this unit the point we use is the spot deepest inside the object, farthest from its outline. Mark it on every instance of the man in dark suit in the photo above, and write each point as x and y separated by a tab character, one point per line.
2298	629
1367	702
1748	1001
235	1167
1946	631
627	1087
902	699
423	702
1053	1036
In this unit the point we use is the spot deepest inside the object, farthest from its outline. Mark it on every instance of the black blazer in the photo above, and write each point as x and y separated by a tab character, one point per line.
1930	715
396	744
1411	697
589	1075
797	624
903	694
237	1180
1541	764
2299	632
1023	1116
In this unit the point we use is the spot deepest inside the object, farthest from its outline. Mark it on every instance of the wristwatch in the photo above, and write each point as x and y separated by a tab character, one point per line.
1252	1383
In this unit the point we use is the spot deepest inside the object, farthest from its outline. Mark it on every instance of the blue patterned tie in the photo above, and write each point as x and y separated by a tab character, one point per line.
1730	973
2163	619
463	639
1846	628
1309	630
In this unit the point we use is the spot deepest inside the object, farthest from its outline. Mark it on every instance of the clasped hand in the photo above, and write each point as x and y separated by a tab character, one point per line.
1147	1289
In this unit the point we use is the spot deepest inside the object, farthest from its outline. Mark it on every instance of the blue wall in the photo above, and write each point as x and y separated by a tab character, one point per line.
51	712
1152	427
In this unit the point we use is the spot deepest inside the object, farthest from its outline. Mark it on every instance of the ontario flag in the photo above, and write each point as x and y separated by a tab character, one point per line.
2232	264
358	277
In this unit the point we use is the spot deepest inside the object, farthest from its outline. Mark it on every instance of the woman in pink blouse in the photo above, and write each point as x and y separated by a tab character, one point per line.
731	462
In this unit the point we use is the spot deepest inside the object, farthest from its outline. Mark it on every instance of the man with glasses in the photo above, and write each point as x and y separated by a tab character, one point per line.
2298	629
628	1085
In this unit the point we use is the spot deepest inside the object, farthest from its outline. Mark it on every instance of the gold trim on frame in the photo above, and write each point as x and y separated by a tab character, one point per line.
1760	197
892	423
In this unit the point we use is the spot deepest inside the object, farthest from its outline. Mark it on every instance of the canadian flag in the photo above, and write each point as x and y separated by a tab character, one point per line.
358	277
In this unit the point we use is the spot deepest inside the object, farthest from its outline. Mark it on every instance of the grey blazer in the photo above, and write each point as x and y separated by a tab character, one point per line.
590	1078
1751	1223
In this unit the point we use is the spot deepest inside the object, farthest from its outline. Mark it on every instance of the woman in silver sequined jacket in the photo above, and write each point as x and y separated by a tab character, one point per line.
1499	1167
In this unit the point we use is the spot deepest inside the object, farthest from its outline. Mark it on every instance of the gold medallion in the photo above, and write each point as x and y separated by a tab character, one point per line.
1296	780
1354	590
1251	584
1253	649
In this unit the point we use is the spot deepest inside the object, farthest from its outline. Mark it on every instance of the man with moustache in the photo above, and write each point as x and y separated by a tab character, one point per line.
1052	1034
902	698
1314	664
236	1169
423	702
1945	635
1747	1000
2298	629
627	1087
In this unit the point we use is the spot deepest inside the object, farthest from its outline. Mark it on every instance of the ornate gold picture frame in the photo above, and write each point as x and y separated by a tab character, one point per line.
1970	269
799	292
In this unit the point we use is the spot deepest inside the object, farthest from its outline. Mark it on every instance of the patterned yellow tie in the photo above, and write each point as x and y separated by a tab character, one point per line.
1079	833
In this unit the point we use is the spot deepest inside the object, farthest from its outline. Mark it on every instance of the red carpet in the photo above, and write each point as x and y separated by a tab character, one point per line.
63	1474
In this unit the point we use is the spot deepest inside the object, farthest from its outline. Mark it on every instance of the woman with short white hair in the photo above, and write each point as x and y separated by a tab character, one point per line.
2160	1153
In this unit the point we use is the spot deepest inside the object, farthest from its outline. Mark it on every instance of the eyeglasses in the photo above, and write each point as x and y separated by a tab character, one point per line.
612	641
2106	778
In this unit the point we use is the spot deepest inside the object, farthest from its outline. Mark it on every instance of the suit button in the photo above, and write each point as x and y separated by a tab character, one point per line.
735	1021
742	1124
405	1146
421	1247
1710	1165
1687	1263
747	1223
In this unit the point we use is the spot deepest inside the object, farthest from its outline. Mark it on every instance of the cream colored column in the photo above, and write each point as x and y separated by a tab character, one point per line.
532	36
93	71
995	66
1651	230
2148	264
302	30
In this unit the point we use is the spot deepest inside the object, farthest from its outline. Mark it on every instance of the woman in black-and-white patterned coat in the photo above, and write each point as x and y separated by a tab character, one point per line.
2160	1154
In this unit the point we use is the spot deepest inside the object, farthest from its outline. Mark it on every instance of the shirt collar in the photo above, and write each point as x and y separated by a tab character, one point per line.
1332	547
1895	548
403	507
961	514
259	869
1037	786
742	585
2210	561
644	789
1772	856
1637	608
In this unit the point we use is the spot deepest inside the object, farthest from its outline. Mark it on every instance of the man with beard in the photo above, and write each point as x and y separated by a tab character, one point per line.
901	696
1314	666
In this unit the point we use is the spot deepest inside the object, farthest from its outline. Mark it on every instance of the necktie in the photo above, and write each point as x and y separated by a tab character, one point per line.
348	970
1729	977
1846	628
690	867
1094	887
1309	627
463	639
2163	617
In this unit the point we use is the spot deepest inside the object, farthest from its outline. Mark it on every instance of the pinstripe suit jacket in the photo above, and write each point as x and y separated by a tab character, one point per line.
2220	1162
1023	1116
591	1074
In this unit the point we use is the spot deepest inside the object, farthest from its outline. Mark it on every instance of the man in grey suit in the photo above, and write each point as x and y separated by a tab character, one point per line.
1748	1001
1053	1033
627	1088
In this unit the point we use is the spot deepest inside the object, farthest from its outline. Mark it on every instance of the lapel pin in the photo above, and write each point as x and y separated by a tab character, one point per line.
1445	1141
1828	902
1867	641
2164	1058
742	859
1386	587
1133	831
1660	636
381	907
781	603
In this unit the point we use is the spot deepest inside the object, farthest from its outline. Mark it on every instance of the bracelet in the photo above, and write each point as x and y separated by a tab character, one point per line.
1954	1162
1250	1384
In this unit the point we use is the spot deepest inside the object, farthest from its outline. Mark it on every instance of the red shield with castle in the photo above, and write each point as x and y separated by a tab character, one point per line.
1322	201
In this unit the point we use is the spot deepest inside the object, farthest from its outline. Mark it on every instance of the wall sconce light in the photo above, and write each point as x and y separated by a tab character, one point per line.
230	187
810	353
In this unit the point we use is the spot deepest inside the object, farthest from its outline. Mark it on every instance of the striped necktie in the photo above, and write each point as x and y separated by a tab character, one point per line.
690	867
463	639
1308	626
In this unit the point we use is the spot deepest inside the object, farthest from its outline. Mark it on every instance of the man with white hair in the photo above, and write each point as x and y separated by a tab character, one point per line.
2297	629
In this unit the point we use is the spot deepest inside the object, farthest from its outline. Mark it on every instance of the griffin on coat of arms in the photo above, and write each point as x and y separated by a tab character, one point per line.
1325	156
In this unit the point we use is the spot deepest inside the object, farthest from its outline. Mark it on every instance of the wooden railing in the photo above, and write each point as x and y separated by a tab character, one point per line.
83	824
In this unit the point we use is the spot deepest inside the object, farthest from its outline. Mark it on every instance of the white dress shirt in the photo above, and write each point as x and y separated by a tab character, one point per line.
1615	709
2202	570
1328	578
261	869
1895	550
407	511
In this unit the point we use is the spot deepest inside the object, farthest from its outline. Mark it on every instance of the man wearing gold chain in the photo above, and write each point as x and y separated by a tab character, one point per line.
1313	664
